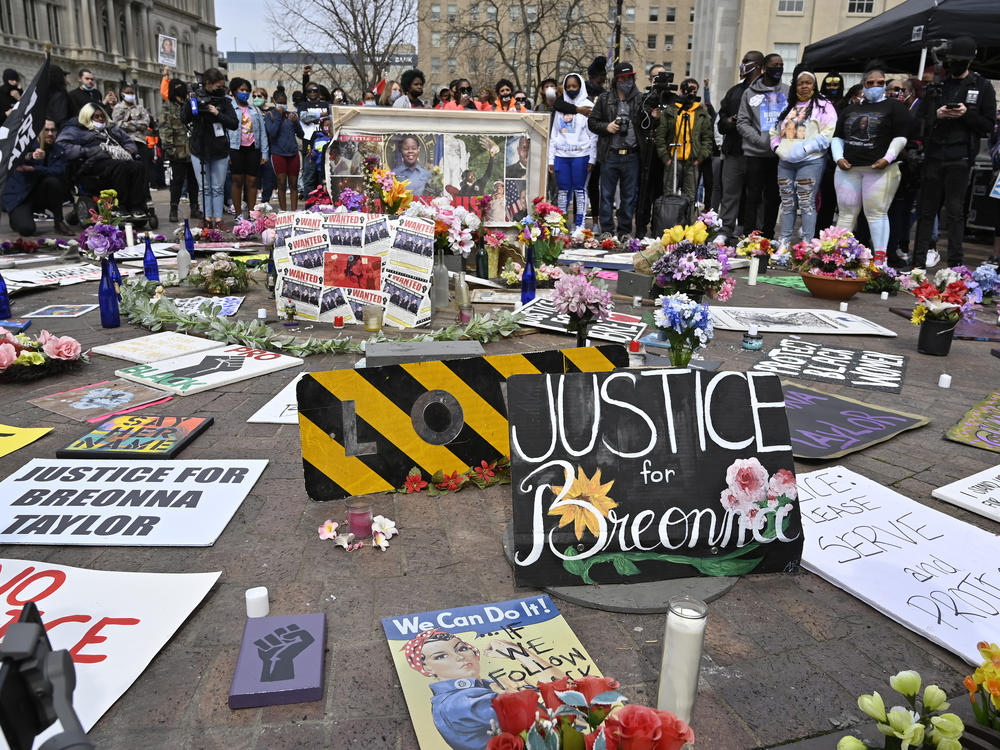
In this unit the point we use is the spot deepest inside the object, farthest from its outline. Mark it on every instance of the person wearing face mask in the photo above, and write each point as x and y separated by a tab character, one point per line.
956	114
10	92
683	142
615	119
37	183
390	94
762	102
133	119
904	202
505	98
87	93
282	130
832	87
869	139
266	178
412	85
733	162
248	146
214	115
572	151
174	140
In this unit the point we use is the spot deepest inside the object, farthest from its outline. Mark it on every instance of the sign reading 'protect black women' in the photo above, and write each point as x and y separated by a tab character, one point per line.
644	475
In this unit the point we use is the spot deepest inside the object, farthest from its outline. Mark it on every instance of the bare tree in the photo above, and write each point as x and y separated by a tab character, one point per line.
529	40
367	32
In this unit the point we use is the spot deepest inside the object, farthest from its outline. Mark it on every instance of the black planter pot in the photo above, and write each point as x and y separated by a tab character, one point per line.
764	262
935	337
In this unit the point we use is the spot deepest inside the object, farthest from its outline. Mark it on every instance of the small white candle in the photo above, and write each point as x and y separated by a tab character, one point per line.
257	605
843	307
944	381
637	301
752	329
262	313
129	235
683	640
884	296
754	268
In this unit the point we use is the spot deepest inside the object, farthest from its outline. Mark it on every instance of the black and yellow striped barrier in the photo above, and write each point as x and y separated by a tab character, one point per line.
363	430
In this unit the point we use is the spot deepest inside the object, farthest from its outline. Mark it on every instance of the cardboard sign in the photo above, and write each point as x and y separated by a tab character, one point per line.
138	252
778	320
15	438
363	430
283	408
62	275
647	475
858	368
823	425
112	623
281	661
542	313
137	437
223	307
124	504
926	570
504	646
193	373
61	311
980	426
155	347
105	399
979	493
351	271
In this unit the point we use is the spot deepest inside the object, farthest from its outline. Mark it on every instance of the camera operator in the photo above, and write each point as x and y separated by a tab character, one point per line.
210	115
659	94
684	136
957	110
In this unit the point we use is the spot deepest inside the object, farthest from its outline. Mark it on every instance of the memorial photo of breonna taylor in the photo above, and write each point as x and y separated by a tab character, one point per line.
413	157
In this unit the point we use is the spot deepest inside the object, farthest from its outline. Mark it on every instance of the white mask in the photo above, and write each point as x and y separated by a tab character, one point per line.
98	125
550	93
129	98
394	96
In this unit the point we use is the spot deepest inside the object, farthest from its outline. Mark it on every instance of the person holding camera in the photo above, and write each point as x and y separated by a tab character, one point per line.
658	94
613	120
958	109
210	115
683	142
282	130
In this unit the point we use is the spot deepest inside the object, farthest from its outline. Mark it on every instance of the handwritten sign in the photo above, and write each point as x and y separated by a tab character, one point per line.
823	425
979	493
647	475
980	426
858	368
926	570
541	312
155	346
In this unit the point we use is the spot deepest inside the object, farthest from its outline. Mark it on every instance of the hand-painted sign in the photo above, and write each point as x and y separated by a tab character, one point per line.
980	426
541	312
155	346
14	438
94	402
125	503
283	408
643	475
858	368
131	436
979	493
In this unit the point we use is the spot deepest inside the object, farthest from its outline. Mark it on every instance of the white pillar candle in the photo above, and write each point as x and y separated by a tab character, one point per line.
843	307
884	296
129	236
944	381
683	639
262	313
637	301
754	268
257	605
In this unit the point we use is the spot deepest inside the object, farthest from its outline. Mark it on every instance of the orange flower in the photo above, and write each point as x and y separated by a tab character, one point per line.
972	687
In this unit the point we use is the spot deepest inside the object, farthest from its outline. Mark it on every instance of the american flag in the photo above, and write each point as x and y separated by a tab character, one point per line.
514	192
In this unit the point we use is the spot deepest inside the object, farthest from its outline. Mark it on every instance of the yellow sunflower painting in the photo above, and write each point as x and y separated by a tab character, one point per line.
589	490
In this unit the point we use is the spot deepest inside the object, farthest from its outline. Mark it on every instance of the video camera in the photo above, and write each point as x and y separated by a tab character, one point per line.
662	92
200	99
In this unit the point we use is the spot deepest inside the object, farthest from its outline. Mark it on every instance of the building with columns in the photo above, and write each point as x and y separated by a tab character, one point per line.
116	39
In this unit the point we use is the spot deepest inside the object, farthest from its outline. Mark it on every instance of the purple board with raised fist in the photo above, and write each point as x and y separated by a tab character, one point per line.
280	661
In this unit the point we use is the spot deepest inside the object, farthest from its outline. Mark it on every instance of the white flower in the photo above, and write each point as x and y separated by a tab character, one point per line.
385	526
553	217
944	277
472	222
230	281
340	210
710	269
379	540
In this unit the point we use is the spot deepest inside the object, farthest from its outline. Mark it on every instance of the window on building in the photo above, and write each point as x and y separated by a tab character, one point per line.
474	13
669	66
651	41
452	38
630	42
861	6
690	41
435	11
491	12
630	15
435	65
668	41
671	15
687	69
512	39
531	12
790	57
452	64
435	38
452	12
791	6
52	17
31	20
654	15
515	13
611	14
6	17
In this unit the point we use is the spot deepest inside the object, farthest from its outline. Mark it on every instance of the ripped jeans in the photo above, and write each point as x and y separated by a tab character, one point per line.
798	184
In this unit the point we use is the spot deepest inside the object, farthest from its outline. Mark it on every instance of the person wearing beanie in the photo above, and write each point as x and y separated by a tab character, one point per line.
10	92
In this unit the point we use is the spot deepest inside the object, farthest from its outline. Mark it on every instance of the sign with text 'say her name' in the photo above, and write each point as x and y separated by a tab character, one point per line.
650	474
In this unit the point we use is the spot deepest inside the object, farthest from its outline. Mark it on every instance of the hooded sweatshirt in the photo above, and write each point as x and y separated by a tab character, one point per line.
758	113
570	137
800	137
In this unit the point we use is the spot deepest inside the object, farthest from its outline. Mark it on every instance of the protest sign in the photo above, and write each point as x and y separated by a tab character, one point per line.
968	330
193	373
100	400
541	312
778	320
138	252
926	570
17	325
413	246
61	311
363	430
127	503
137	437
649	475
166	50
979	493
858	368
407	304
280	661
112	623
155	346
15	438
980	426
824	426
283	408
223	307
509	645
352	271
63	275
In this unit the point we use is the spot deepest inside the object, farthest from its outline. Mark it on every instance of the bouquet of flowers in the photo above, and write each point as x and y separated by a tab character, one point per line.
455	228
100	241
221	274
107	201
319	200
262	218
24	245
582	238
204	235
948	297
545	275
836	254
884	278
704	230
383	186
578	296
755	245
694	269
564	714
25	358
685	324
988	279
543	229
984	686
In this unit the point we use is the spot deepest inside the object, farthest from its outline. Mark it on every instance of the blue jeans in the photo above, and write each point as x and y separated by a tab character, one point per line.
212	184
798	184
619	171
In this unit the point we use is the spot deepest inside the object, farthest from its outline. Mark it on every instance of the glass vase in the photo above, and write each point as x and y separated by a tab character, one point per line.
107	296
440	296
528	276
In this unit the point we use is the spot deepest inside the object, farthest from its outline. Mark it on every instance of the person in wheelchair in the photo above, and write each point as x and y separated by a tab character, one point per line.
102	156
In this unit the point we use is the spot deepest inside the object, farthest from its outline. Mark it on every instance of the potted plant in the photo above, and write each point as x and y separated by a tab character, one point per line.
940	306
834	266
756	245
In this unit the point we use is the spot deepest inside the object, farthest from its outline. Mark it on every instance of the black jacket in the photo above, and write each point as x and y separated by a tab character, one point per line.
606	110
732	143
958	138
206	141
78	97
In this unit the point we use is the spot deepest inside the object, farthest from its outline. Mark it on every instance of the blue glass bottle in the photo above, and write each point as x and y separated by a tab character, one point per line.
149	265
528	276
4	300
107	296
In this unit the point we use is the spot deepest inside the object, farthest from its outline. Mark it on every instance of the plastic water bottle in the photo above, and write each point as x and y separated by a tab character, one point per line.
149	265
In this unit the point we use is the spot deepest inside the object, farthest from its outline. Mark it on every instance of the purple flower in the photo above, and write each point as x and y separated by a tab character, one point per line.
99	244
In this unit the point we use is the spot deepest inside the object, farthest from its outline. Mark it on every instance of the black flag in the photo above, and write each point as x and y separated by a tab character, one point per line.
24	122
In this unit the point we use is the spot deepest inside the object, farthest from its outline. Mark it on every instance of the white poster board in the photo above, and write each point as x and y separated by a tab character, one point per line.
155	347
138	252
166	50
112	623
930	572
778	320
123	503
62	275
979	493
283	408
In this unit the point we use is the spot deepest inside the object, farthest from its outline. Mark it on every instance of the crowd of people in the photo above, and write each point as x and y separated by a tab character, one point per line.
784	160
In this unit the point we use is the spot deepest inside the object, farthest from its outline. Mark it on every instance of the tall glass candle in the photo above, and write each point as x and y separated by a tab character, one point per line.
359	517
683	639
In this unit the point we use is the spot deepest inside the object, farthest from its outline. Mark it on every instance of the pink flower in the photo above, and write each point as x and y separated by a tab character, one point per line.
782	483
7	338
7	355
60	347
328	530
747	480
44	337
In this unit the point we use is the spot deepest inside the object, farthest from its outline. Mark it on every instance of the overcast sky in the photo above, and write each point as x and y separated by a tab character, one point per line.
246	20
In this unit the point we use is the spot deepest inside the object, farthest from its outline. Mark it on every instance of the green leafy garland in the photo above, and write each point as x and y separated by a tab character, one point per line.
139	307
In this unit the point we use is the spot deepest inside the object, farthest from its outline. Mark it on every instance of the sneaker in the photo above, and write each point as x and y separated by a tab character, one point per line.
933	258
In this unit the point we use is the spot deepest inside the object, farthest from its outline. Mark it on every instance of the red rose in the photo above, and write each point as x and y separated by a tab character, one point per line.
674	733
591	687
505	741
516	711
633	728
548	691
